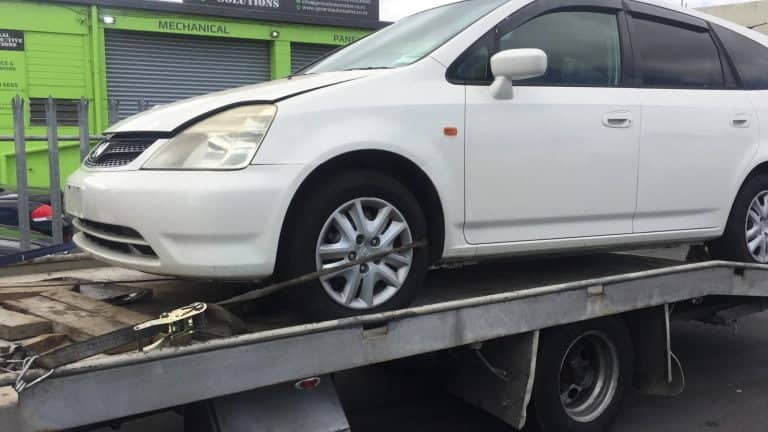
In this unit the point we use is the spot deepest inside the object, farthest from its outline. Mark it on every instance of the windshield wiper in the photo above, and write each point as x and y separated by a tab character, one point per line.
368	68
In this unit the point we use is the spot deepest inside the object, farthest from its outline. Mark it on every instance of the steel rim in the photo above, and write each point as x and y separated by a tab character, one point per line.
589	377
756	228
356	230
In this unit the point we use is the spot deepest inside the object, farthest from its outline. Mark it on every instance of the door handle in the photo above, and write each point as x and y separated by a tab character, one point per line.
740	121
618	119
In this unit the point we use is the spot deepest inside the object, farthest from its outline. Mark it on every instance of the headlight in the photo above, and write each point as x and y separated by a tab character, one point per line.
225	141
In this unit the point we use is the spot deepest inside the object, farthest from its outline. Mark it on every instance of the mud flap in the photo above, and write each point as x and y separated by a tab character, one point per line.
497	376
658	371
283	407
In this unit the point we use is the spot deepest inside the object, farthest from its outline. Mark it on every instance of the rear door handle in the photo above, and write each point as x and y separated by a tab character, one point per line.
618	119
740	121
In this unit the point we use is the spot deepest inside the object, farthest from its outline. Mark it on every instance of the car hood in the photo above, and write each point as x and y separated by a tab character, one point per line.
169	118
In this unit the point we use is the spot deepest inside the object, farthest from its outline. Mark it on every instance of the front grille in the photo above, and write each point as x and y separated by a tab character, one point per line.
115	237
124	248
117	151
115	246
109	228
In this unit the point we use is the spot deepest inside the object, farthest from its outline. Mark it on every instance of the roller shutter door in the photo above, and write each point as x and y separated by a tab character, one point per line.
303	54
165	68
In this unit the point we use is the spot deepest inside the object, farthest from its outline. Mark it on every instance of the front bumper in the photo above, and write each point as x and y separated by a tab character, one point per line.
212	225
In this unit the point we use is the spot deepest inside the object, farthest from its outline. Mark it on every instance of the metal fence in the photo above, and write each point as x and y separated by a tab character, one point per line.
52	137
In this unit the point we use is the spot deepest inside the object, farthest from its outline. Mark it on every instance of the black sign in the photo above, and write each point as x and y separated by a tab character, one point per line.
11	40
362	12
341	13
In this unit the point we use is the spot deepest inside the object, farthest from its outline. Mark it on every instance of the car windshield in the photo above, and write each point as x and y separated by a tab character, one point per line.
408	40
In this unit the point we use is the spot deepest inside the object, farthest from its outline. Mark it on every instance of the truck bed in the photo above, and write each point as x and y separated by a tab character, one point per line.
457	306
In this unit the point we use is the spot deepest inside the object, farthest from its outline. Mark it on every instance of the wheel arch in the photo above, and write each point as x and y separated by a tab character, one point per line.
386	162
759	168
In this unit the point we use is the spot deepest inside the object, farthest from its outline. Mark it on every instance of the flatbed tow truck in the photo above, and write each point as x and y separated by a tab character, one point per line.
497	328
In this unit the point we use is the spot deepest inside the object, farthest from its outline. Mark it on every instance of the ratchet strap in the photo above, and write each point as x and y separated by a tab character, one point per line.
261	293
169	325
185	321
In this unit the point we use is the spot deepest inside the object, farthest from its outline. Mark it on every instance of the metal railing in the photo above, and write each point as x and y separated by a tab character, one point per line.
20	140
52	138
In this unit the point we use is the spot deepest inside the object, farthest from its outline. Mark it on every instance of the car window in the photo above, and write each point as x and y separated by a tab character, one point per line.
583	49
749	57
675	56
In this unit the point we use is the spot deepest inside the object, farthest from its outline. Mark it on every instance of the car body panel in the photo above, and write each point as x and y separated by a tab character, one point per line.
184	219
408	121
560	172
759	100
168	118
692	156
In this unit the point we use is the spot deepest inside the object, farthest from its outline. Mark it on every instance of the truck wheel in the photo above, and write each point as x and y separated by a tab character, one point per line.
582	373
349	217
746	232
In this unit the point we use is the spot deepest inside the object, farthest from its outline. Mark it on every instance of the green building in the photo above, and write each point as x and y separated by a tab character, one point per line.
135	54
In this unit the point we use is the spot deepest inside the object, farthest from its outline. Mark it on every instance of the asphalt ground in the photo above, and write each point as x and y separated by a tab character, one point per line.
726	375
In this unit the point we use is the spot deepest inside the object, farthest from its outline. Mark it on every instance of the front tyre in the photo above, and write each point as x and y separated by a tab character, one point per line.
352	216
582	373
746	233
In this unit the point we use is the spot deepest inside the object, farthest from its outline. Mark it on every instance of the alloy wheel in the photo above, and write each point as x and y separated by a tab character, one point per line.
756	228
358	229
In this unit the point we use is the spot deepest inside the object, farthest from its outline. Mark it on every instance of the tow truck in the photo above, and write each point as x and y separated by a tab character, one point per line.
550	342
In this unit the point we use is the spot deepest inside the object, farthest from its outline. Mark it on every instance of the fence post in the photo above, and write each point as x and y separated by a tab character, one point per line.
142	104
114	111
82	120
53	166
17	106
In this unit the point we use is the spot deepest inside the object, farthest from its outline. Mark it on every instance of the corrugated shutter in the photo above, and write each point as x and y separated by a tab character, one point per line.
303	54
165	68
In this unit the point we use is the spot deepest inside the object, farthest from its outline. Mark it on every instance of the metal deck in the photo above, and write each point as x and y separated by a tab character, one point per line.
457	307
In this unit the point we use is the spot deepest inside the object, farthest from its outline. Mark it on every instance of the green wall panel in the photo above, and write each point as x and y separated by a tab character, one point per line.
42	16
37	163
57	65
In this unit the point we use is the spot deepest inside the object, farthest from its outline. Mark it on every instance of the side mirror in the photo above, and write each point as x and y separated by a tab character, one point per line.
515	64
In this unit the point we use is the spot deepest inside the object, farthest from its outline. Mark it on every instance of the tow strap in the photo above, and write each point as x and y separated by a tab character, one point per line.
261	293
165	330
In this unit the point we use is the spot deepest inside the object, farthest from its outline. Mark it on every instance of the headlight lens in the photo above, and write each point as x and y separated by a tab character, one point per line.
224	141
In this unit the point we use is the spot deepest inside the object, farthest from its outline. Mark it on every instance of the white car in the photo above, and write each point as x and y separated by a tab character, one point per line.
486	127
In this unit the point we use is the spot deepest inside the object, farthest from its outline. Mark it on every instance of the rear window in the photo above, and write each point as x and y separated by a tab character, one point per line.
676	56
749	57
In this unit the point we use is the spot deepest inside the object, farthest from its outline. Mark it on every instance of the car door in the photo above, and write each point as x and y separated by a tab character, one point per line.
699	129
559	159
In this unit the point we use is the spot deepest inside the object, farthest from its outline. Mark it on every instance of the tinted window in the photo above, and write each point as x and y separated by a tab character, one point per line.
674	56
583	49
750	58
